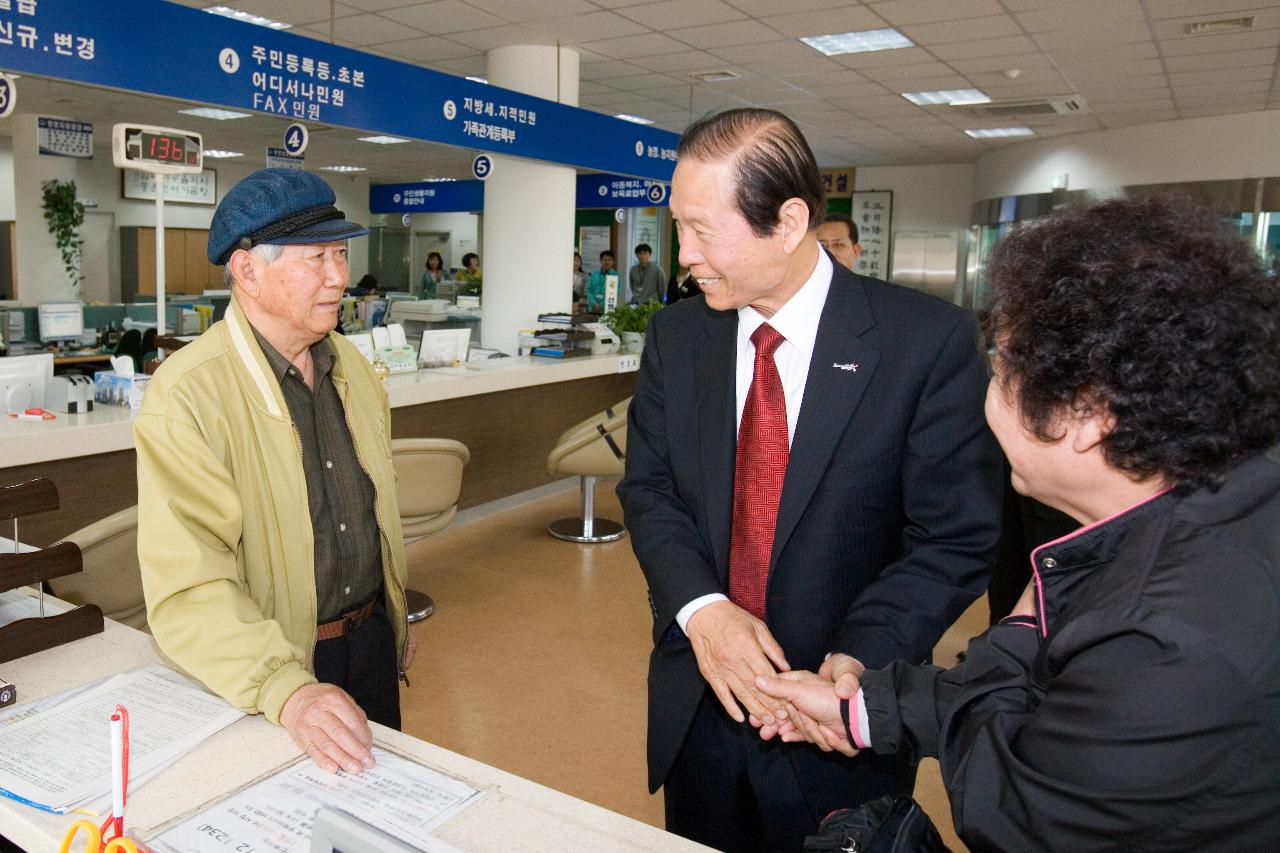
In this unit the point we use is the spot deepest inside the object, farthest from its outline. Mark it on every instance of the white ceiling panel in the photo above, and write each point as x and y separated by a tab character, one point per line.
427	49
674	14
649	44
899	12
370	29
1223	75
1214	61
1202	9
507	34
531	10
596	26
726	35
850	19
1082	14
942	32
1226	43
764	8
443	17
983	47
691	60
294	12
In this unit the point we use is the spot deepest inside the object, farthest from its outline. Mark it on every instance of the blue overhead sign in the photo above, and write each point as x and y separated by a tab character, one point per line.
114	43
427	197
610	191
619	191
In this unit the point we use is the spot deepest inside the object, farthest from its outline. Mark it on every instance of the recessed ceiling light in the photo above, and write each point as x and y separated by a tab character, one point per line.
866	41
1222	25
240	15
478	80
634	119
215	114
218	154
950	97
1000	132
383	140
343	169
437	180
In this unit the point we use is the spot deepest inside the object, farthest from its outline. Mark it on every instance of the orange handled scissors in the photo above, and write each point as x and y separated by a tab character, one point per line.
93	844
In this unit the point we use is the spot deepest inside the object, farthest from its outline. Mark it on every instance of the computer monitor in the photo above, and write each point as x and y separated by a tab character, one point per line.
61	321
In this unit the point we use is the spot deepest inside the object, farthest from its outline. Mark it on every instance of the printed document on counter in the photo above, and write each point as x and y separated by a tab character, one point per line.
57	755
401	797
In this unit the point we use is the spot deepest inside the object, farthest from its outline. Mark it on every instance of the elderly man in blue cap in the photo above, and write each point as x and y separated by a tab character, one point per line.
269	534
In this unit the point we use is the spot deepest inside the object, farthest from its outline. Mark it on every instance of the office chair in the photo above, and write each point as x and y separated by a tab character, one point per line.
111	577
595	448
429	481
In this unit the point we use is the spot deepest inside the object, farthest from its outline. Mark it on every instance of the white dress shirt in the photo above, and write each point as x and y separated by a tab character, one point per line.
797	322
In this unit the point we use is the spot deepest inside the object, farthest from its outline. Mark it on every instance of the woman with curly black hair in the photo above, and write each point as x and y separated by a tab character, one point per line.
1132	699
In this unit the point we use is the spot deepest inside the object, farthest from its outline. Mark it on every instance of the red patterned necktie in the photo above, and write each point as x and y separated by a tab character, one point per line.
759	468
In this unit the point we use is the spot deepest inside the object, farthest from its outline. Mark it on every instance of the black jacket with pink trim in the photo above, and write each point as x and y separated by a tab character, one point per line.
1146	714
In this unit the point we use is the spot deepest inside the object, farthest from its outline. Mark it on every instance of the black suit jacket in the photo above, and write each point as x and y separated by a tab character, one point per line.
890	510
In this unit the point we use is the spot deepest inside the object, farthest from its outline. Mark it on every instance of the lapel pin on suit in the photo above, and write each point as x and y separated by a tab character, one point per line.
851	366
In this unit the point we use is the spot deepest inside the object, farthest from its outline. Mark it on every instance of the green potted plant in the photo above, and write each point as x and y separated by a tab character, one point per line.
65	214
629	322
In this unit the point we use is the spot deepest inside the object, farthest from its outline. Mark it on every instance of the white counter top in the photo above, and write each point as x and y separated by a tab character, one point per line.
110	428
512	813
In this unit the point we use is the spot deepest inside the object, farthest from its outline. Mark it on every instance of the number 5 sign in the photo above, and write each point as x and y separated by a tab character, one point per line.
8	95
482	166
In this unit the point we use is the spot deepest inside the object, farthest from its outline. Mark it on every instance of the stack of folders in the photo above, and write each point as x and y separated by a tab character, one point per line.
55	753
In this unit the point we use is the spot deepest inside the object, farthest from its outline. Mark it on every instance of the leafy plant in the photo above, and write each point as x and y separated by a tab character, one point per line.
631	318
65	214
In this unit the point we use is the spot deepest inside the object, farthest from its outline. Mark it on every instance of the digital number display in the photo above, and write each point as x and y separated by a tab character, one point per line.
166	148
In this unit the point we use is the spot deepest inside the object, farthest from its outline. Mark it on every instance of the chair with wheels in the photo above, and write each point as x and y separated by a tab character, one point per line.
595	448
429	475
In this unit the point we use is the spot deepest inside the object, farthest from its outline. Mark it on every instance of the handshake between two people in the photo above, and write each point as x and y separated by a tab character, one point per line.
749	674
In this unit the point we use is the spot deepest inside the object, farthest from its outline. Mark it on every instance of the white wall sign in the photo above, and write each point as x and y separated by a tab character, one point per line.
58	137
873	214
183	189
279	158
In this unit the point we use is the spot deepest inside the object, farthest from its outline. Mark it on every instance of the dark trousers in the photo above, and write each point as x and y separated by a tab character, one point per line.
732	791
364	664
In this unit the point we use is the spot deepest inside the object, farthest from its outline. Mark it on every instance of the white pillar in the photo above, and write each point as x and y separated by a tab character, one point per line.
528	208
41	275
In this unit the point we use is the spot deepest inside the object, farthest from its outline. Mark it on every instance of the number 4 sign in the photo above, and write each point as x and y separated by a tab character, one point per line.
295	139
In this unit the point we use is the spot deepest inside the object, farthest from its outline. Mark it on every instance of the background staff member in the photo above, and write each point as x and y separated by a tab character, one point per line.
841	494
839	235
268	530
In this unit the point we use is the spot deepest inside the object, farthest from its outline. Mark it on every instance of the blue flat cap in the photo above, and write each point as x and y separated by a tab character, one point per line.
279	206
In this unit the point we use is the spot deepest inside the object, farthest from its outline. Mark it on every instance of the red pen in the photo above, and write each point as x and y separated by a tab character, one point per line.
119	773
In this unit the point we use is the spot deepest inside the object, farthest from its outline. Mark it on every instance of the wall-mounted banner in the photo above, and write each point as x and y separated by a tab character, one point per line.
62	138
873	214
427	197
278	158
238	65
617	191
838	183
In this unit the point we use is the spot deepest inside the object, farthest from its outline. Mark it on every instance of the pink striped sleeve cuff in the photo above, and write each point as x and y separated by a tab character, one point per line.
859	726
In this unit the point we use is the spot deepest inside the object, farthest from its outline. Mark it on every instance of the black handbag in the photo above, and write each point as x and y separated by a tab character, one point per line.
887	825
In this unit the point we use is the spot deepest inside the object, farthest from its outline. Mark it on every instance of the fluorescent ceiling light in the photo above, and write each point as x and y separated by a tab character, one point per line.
239	15
949	97
383	140
1000	132
478	80
343	169
218	154
634	119
437	180
215	114
862	42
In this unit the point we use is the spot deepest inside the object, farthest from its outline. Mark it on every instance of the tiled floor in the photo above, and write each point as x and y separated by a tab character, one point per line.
535	659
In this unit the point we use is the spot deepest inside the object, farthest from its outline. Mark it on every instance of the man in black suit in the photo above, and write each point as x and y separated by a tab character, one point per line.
810	483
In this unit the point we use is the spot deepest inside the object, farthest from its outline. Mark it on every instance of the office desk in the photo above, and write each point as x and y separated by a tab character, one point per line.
512	814
89	358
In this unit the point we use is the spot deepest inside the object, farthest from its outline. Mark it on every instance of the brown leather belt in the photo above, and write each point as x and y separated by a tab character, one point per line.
345	624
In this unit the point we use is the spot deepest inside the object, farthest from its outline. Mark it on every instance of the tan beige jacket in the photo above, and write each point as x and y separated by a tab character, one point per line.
224	532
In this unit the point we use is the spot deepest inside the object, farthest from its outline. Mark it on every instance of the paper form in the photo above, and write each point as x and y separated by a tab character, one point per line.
61	755
398	796
18	604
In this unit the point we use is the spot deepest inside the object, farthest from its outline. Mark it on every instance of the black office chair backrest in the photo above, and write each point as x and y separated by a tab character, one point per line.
131	345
